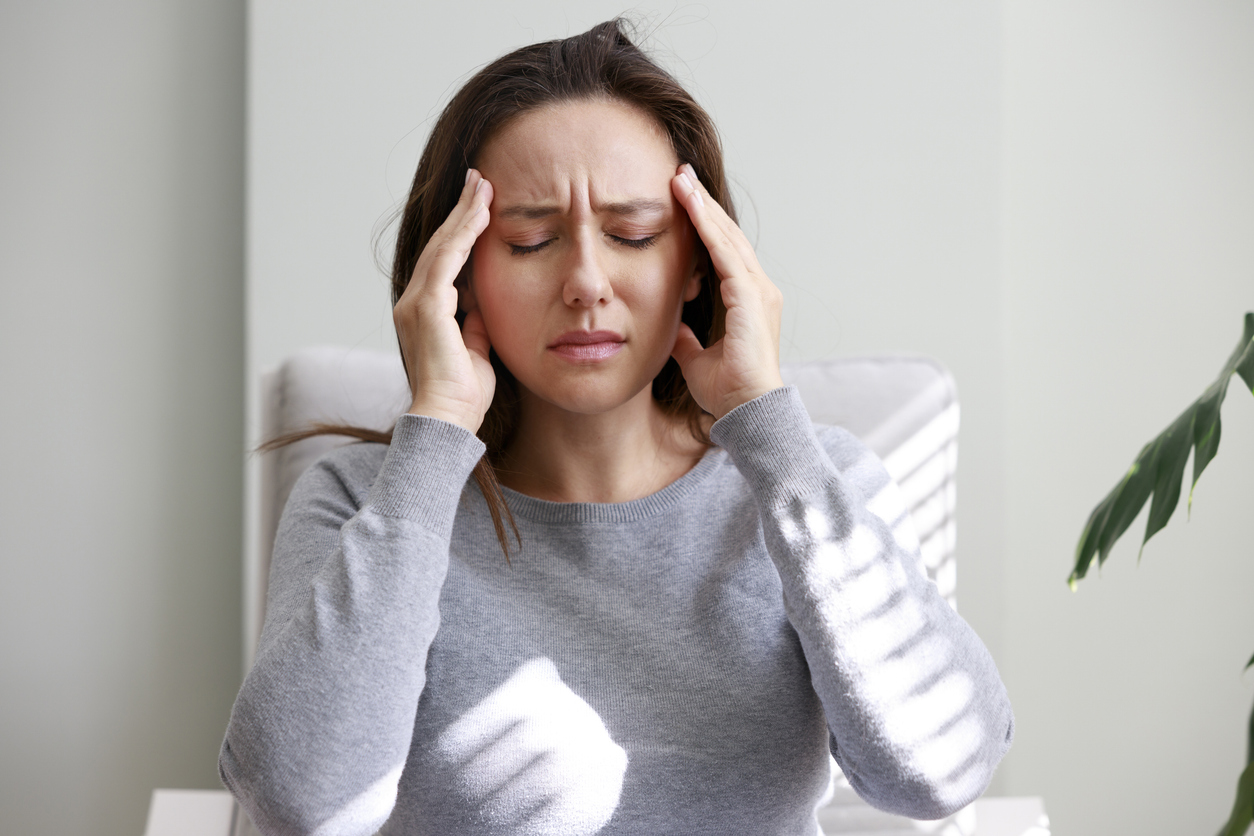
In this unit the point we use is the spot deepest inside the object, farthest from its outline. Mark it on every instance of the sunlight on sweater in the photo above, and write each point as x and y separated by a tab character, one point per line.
927	704
367	812
536	758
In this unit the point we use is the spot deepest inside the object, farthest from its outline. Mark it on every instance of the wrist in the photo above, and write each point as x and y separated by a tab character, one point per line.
465	417
748	393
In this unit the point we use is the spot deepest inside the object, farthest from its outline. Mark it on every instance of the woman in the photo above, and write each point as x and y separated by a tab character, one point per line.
682	598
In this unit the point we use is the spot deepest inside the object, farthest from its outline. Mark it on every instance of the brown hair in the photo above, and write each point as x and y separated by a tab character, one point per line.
601	63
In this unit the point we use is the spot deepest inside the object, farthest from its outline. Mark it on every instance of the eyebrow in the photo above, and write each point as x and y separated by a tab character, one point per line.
637	206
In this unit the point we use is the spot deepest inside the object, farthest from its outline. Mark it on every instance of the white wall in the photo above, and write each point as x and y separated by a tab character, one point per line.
121	354
1129	260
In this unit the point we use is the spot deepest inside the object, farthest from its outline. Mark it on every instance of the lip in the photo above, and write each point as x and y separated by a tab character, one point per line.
587	346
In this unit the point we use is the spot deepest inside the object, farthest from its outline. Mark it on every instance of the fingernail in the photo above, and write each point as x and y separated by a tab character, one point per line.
479	185
692	172
467	180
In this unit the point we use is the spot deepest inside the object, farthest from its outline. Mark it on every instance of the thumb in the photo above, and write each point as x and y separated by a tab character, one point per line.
686	347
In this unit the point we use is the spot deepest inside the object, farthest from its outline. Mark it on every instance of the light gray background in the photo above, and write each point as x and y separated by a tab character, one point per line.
1055	199
122	368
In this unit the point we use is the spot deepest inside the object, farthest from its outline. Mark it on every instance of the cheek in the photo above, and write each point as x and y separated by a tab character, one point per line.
490	279
485	287
500	292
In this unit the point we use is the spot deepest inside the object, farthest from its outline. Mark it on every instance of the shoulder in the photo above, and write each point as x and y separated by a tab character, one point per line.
354	462
339	478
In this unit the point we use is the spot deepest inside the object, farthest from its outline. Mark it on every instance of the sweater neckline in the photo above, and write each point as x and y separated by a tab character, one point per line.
547	511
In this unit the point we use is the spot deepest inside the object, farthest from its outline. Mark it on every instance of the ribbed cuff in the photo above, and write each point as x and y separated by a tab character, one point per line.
424	472
771	439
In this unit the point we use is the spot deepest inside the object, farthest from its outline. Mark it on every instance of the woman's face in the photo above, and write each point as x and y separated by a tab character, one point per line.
587	259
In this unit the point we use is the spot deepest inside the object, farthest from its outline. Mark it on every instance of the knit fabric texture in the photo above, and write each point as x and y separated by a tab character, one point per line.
680	663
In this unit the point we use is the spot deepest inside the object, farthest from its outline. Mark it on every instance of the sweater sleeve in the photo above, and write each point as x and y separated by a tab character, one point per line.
918	715
323	722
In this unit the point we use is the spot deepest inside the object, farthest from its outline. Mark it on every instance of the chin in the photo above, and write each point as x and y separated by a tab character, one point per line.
587	403
587	396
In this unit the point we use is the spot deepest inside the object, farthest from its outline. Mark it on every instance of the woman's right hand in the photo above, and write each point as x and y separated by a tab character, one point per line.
449	372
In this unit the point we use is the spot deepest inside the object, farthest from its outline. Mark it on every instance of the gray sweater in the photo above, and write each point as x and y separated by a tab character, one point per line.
681	663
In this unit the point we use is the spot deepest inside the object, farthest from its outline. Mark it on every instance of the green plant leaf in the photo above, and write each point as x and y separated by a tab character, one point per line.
1115	513
1249	748
1244	364
1206	431
1158	470
1170	458
1243	808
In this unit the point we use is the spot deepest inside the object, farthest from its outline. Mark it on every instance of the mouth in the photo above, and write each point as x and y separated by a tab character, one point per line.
587	346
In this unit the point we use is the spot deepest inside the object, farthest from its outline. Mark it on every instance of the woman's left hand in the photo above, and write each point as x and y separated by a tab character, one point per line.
744	362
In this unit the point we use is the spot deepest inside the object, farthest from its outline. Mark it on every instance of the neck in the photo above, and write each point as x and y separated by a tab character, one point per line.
627	453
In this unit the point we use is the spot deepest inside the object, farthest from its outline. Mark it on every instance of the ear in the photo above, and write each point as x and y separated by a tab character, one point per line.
693	286
466	301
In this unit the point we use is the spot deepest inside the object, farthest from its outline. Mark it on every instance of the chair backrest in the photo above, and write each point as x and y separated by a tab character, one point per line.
904	408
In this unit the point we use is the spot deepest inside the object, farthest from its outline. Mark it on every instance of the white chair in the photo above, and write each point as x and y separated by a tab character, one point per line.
904	408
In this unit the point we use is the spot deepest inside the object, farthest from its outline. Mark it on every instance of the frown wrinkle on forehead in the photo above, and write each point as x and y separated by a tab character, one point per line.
603	157
633	208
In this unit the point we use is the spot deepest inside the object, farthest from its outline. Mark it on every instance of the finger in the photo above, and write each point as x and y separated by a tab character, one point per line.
729	261
463	232
465	200
461	210
446	253
686	347
718	215
430	292
475	197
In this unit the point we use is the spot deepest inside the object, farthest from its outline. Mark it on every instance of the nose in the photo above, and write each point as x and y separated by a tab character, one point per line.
586	283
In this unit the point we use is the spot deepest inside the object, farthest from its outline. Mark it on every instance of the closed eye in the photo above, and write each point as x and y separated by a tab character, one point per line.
521	249
633	243
636	243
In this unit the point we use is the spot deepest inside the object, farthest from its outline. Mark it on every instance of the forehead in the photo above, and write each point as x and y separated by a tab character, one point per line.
609	147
